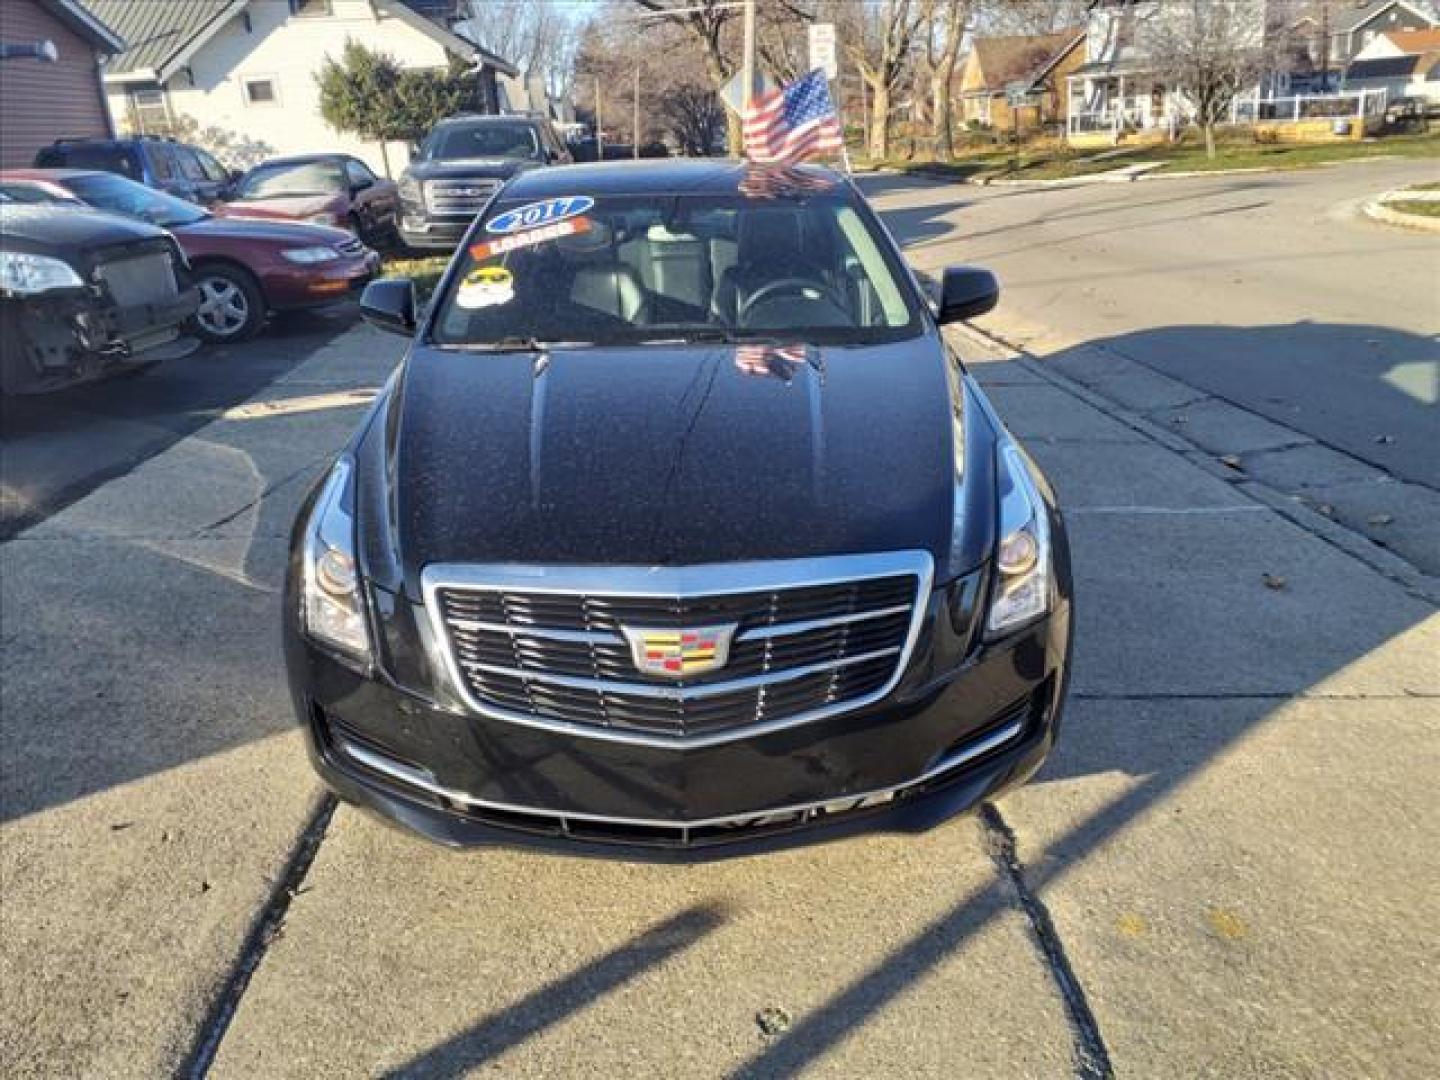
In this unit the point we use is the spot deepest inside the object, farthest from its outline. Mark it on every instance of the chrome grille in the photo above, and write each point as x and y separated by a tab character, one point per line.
553	653
458	196
140	279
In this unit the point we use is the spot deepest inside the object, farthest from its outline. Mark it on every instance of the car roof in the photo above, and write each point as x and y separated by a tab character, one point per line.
491	118
303	159
54	175
653	176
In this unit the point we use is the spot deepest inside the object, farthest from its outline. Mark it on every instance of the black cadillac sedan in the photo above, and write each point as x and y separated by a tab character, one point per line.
680	529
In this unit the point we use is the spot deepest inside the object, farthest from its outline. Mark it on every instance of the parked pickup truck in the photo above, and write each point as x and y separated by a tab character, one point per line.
85	295
461	164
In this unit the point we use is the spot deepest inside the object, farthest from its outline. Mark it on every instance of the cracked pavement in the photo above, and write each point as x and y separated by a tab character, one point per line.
1227	869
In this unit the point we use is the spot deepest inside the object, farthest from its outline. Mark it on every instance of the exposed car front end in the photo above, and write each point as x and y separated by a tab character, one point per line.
84	296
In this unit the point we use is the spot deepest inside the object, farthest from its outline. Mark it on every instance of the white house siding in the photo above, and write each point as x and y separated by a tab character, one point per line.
290	50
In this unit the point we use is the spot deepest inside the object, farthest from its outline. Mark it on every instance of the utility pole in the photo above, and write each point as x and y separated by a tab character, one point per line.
635	117
1325	46
599	128
747	70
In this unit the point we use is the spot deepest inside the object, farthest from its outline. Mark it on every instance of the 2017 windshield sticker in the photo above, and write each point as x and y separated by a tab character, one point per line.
535	214
486	286
490	248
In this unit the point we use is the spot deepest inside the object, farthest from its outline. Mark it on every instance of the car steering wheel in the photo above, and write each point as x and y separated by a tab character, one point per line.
787	285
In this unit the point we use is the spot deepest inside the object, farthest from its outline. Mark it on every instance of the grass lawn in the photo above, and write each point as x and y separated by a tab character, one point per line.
1417	207
424	272
1053	161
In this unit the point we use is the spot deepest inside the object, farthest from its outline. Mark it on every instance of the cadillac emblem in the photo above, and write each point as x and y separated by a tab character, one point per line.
679	653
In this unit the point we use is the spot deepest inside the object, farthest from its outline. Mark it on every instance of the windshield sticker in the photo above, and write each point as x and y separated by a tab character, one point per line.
490	248
539	213
486	286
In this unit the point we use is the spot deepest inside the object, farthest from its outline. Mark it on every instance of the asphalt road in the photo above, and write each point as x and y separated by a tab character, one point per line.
1227	869
1267	291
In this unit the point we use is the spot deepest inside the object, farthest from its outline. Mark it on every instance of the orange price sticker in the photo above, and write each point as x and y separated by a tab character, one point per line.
490	248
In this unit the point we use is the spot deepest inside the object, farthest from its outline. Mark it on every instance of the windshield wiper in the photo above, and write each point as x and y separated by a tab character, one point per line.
514	345
714	335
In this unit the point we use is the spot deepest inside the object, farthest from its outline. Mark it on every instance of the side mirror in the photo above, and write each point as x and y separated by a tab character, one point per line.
390	305
965	292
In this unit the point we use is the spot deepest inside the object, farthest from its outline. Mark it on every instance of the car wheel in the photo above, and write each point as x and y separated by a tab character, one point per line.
231	307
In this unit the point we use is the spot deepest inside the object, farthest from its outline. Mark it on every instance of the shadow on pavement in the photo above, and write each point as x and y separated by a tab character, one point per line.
56	448
552	1003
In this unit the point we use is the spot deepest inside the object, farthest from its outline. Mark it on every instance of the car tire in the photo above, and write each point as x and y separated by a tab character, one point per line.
231	305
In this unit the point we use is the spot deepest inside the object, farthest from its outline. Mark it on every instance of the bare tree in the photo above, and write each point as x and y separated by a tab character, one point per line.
881	45
1000	17
1209	50
534	35
694	116
708	23
947	27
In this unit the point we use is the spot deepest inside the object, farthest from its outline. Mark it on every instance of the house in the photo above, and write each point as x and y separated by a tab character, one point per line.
1404	63
1037	65
1354	26
239	75
41	99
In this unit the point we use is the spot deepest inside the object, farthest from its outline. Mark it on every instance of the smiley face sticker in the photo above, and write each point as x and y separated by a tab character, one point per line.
486	286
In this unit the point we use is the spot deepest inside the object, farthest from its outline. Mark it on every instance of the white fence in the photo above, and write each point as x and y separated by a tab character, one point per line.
1355	105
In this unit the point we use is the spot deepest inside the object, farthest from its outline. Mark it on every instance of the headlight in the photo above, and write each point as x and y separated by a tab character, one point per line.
25	275
309	255
409	189
1023	556
333	609
327	218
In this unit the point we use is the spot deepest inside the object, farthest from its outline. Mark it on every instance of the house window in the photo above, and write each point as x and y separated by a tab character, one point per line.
261	91
310	8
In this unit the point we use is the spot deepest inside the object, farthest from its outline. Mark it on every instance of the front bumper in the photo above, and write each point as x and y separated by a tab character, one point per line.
73	337
291	286
427	233
935	747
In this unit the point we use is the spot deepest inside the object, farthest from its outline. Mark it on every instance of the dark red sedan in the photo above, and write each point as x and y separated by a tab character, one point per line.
323	189
244	267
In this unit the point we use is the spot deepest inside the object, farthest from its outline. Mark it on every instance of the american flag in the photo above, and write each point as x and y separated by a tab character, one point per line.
793	123
771	361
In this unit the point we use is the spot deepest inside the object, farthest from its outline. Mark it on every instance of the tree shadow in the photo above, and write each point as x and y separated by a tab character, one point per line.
554	1002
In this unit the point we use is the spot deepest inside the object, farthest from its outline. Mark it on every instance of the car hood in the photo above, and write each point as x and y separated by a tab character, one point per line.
67	231
262	230
468	167
290	206
660	455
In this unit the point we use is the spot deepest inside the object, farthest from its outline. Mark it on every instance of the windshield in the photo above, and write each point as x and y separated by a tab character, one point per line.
482	141
135	200
287	181
614	270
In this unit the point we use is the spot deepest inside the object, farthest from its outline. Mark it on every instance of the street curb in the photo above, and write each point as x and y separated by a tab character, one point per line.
1356	545
1376	208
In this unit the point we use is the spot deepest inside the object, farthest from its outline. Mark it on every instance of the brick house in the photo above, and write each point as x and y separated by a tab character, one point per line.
1039	64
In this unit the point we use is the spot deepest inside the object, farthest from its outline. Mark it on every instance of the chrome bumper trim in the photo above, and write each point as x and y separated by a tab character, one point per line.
381	763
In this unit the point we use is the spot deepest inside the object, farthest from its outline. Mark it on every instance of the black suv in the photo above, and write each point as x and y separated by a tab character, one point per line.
462	162
176	168
679	527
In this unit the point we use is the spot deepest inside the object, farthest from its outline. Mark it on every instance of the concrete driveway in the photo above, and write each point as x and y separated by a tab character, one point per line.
1227	869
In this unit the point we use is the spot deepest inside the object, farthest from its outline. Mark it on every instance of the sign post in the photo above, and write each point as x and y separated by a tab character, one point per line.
826	57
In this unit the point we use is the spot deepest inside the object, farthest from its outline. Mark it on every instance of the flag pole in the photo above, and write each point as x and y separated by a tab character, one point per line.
747	70
840	116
